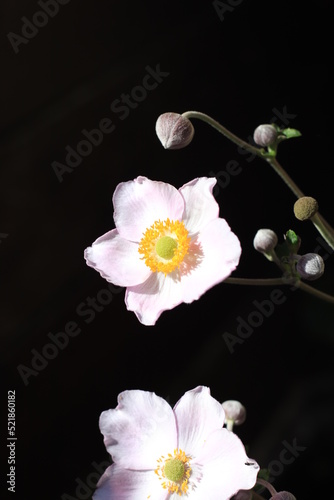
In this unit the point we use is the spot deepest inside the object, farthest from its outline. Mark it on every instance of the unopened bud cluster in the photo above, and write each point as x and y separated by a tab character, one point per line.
309	266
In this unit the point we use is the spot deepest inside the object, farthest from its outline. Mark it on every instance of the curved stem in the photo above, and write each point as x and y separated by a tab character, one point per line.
223	130
267	485
326	231
280	281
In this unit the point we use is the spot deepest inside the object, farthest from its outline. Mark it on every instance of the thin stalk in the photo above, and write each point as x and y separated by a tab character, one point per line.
267	485
279	281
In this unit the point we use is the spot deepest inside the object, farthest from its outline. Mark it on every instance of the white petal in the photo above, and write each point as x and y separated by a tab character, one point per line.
117	260
198	415
218	252
139	203
122	484
148	300
139	430
226	467
200	204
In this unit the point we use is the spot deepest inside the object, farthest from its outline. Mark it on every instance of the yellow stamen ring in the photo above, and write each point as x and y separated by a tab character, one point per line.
174	472
164	245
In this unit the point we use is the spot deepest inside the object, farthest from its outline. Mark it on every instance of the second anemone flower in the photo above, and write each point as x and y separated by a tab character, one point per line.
169	245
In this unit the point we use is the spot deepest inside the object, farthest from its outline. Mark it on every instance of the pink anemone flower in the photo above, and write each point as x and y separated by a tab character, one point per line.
169	245
160	453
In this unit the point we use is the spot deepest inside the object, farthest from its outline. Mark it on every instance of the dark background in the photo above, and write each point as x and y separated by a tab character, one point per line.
262	56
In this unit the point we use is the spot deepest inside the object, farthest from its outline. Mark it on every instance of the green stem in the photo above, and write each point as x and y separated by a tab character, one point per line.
326	231
279	281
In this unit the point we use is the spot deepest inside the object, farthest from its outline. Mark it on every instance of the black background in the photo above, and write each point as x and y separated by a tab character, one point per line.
263	56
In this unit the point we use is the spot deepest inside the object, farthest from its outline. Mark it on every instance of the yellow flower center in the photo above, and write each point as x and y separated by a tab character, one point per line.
174	472
164	245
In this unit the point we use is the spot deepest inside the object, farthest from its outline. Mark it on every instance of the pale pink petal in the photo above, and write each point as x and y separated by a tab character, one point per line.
225	467
200	205
139	430
122	484
159	293
197	415
218	253
139	203
117	260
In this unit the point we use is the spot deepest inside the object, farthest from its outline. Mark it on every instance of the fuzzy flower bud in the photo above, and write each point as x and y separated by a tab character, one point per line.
265	135
265	240
234	411
310	266
174	130
283	495
305	208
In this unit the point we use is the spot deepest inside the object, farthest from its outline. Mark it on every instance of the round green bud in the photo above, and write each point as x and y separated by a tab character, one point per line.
174	130
174	469
305	208
165	247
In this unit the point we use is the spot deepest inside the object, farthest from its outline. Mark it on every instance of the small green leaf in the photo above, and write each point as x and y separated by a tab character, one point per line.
291	237
290	133
264	474
292	240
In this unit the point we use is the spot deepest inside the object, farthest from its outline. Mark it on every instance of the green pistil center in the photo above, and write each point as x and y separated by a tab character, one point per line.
174	469
165	247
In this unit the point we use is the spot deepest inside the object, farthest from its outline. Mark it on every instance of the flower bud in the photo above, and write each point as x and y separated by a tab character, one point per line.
174	130
234	411
265	135
305	208
283	495
265	240
310	266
